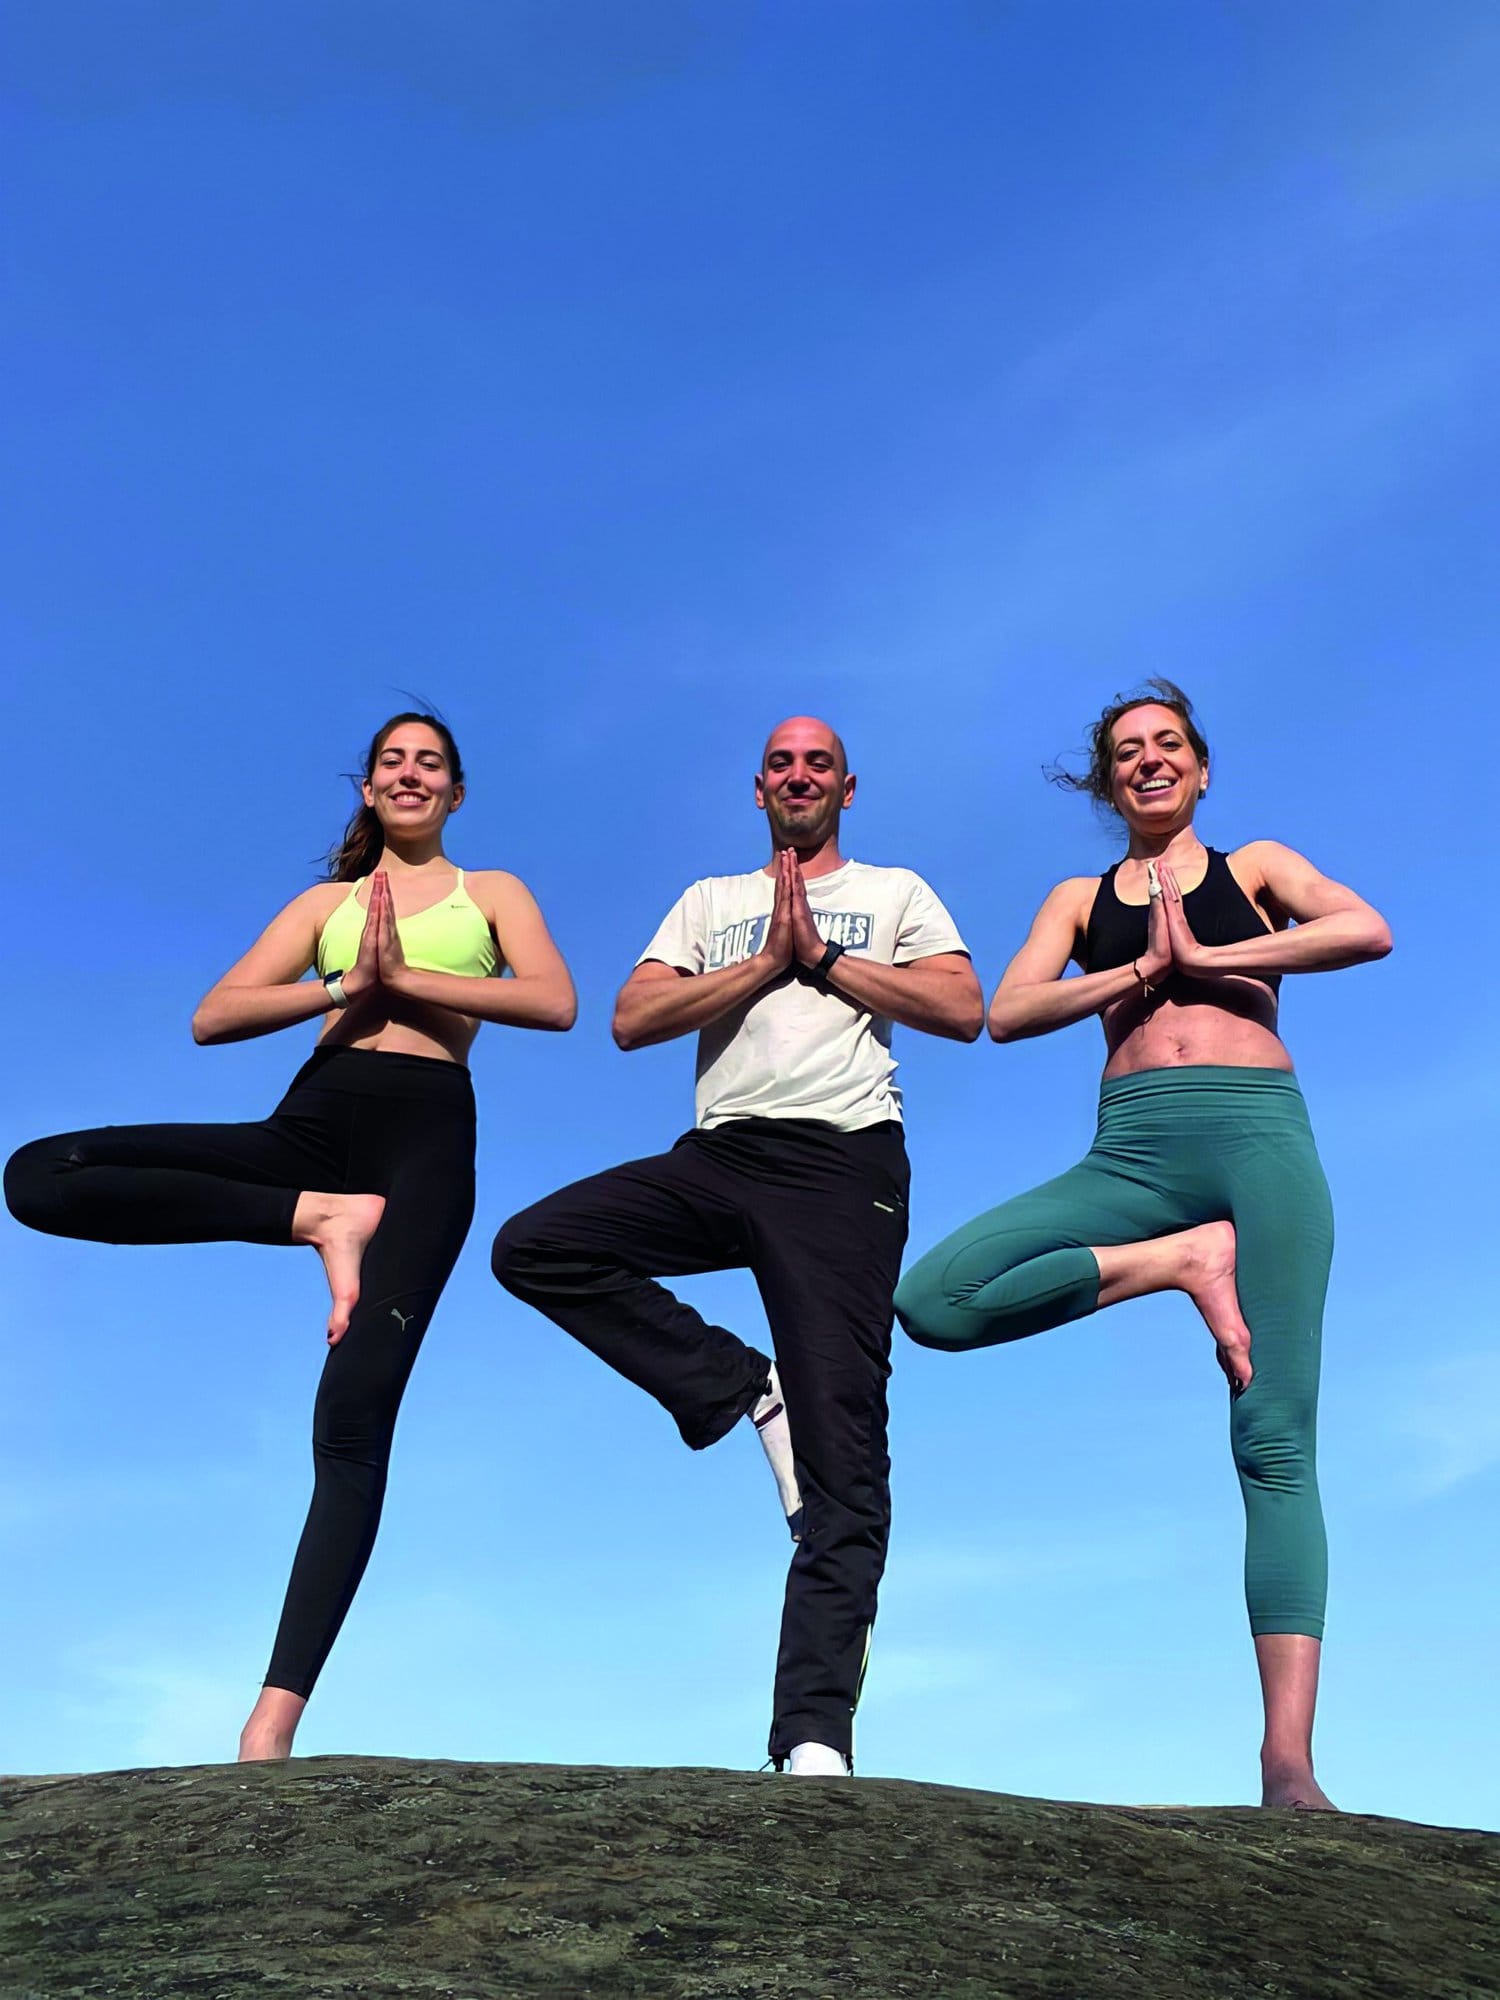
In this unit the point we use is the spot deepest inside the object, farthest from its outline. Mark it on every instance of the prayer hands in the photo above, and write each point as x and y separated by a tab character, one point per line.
780	942
381	961
807	945
791	934
1186	954
388	938
1155	962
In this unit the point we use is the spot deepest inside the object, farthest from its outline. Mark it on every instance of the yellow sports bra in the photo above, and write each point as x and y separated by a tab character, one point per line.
451	935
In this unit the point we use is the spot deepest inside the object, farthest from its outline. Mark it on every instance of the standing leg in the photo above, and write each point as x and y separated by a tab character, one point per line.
588	1256
429	1205
826	1258
1283	1222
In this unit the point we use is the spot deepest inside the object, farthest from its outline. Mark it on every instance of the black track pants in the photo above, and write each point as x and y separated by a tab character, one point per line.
819	1217
355	1121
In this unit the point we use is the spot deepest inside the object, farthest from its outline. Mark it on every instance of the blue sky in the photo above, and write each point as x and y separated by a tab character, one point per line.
622	380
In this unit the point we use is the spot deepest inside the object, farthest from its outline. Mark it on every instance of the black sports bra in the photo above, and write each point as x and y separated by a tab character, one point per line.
1218	910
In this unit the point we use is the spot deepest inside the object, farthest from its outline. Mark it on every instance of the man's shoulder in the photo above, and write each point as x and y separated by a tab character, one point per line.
752	880
897	881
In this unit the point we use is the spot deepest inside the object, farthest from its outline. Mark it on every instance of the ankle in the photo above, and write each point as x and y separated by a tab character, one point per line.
271	1725
818	1760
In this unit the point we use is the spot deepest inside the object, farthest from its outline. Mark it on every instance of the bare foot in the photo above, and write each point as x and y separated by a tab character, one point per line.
267	1736
1208	1279
1297	1788
338	1226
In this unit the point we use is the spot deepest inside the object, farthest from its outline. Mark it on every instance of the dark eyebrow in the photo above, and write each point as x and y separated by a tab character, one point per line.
1126	742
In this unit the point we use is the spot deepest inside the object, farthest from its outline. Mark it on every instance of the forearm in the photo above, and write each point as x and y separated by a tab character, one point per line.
1038	1007
1323	944
940	1002
539	1001
658	1010
239	1013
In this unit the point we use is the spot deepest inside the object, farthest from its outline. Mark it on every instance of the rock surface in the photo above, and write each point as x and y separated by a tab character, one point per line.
343	1876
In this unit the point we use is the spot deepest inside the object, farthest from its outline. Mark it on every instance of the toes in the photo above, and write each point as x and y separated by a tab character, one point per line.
1235	1362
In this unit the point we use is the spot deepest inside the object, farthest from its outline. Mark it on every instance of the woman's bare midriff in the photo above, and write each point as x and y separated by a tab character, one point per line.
413	1030
1232	1023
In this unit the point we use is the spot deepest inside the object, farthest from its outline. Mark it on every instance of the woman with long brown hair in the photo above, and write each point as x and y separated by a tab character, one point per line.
1203	1176
369	1158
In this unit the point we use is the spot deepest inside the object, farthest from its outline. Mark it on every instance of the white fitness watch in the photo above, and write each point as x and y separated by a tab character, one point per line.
333	983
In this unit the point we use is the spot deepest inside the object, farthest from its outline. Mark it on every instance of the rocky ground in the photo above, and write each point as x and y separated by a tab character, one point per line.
373	1877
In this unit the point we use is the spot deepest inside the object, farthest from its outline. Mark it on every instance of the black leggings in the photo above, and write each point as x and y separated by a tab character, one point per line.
355	1121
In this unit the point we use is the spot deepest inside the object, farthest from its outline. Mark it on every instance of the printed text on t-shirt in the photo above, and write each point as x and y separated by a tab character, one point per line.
852	929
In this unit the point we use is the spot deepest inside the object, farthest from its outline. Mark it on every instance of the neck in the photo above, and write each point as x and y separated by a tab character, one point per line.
819	859
405	857
1174	844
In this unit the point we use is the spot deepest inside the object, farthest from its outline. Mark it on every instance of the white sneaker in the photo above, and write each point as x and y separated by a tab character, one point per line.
775	1434
816	1760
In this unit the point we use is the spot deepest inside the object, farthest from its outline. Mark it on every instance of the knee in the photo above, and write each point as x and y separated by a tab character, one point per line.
29	1191
929	1313
515	1255
1273	1452
356	1426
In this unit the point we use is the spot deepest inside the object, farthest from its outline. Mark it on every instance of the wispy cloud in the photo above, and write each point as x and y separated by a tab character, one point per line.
901	1673
1449	1419
1149	1546
149	1710
82	1499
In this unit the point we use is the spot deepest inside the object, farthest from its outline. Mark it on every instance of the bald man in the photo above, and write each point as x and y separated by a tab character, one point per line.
791	976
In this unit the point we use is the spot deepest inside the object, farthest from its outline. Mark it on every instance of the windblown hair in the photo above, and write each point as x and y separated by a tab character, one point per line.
364	837
1097	779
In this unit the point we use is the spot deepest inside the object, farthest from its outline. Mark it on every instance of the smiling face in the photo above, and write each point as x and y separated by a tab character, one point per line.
804	783
1156	776
411	787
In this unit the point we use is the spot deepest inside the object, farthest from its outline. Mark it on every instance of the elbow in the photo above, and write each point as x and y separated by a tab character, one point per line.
1002	1028
563	1013
625	1032
206	1030
1381	940
970	1026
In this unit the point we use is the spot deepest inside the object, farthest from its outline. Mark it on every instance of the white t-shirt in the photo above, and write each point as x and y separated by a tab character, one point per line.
794	1050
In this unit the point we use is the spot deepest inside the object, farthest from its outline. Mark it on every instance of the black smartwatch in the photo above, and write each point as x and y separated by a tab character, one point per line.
832	953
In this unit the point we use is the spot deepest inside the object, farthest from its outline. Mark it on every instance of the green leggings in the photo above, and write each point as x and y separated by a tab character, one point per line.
1178	1147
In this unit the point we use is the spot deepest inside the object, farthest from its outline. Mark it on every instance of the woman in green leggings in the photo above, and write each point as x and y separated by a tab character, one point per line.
1203	1176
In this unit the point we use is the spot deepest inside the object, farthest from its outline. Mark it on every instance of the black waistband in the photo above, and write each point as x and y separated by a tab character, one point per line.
385	1073
804	1135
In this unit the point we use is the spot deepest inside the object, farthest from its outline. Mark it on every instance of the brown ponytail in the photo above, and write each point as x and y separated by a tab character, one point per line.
364	836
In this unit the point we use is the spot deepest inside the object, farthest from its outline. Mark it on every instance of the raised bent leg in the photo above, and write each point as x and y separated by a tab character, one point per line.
167	1183
1032	1263
588	1257
1200	1262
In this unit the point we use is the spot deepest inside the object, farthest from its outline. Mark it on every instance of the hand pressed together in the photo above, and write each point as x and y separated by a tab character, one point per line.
1156	961
792	933
1187	954
381	963
807	945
